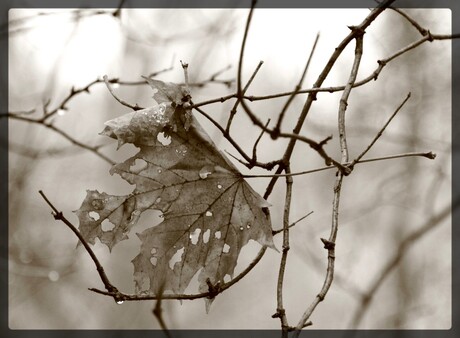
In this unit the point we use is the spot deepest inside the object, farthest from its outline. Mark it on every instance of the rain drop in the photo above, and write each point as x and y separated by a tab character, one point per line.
205	172
219	186
159	171
53	276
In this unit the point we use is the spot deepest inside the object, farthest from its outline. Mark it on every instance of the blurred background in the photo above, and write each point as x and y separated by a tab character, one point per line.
382	279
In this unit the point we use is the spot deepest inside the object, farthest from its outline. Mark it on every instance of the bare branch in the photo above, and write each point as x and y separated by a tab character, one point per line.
280	310
297	87
379	134
135	107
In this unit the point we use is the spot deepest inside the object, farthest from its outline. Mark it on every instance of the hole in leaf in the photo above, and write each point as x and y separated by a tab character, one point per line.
227	278
153	260
219	186
248	225
94	215
206	235
153	251
241	228
194	236
177	257
163	139
218	234
226	248
106	225
208	213
138	166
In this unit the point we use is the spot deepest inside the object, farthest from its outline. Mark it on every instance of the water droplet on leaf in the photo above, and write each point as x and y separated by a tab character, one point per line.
53	276
205	172
219	186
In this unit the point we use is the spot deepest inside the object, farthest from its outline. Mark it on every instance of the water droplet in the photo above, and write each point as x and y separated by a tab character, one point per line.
241	228
226	248
205	172
97	204
219	186
158	114
119	302
208	213
53	276
248	225
159	171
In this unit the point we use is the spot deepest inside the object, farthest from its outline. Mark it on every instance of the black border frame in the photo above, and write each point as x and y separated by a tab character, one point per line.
453	5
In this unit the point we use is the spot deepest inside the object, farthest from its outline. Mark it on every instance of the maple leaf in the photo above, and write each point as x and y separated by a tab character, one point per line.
209	211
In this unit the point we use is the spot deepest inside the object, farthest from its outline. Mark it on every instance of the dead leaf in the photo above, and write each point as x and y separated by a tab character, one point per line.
210	212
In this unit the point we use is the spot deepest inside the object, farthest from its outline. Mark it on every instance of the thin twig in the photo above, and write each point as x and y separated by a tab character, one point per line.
329	244
430	155
414	23
323	75
235	106
379	134
276	232
124	103
254	148
58	215
280	310
48	125
297	87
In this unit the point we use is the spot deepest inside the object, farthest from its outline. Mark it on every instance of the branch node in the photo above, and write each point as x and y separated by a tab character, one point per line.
213	289
328	245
